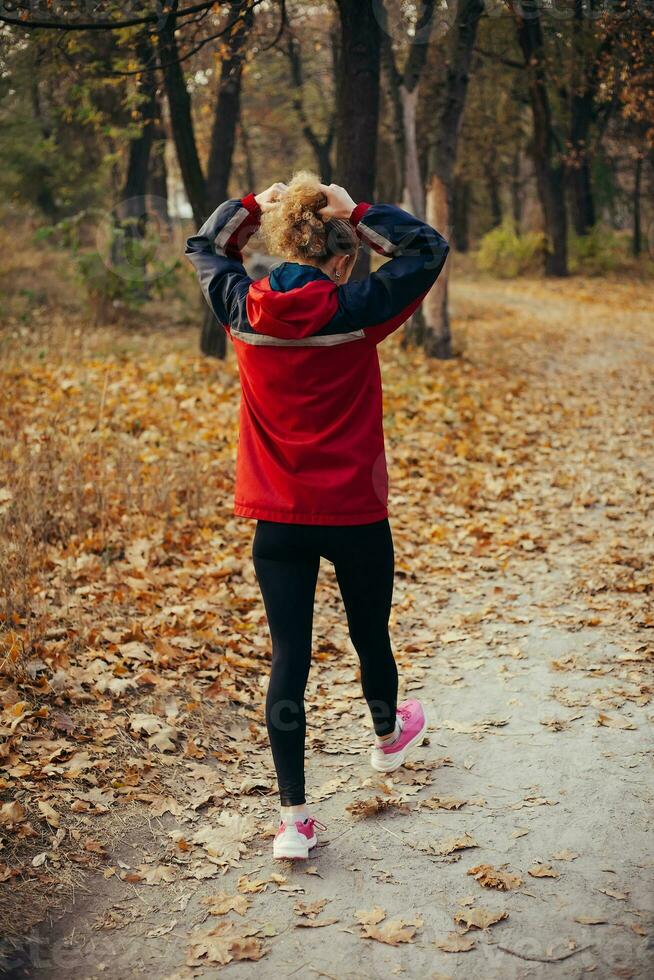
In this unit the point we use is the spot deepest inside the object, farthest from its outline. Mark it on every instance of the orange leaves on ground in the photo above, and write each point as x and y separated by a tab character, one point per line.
478	918
374	925
225	839
490	877
223	944
543	871
376	804
443	803
132	668
308	914
222	903
49	813
372	917
614	721
456	943
452	844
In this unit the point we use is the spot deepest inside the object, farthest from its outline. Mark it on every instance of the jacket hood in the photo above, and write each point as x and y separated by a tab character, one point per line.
294	301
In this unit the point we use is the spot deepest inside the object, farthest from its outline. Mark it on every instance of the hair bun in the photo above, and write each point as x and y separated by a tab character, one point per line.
296	230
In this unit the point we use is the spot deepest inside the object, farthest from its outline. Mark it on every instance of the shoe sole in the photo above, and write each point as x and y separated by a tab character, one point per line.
395	761
293	852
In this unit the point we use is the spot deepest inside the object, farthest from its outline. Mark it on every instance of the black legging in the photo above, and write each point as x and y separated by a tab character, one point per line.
286	560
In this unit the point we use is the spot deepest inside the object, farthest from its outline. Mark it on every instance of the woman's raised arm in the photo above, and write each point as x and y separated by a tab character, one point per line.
386	299
216	252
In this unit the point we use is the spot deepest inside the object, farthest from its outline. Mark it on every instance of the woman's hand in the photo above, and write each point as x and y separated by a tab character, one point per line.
269	198
339	203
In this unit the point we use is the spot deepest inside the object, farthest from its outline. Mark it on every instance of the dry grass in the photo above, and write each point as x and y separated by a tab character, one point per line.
62	491
69	483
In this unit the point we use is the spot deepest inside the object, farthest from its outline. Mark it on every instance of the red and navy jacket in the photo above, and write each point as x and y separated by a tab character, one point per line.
311	441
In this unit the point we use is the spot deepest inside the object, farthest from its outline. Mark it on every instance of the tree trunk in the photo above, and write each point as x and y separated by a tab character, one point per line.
131	214
357	105
636	241
516	192
322	148
583	208
227	110
43	174
358	98
551	191
550	172
403	96
140	147
438	342
414	193
392	87
442	157
213	340
461	215
181	119
411	184
158	176
495	201
250	176
582	114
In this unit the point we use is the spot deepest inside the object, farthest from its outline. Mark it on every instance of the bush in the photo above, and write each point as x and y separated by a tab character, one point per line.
128	267
598	252
109	294
506	254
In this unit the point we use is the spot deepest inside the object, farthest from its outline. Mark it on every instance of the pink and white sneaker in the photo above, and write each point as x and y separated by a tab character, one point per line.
413	725
295	840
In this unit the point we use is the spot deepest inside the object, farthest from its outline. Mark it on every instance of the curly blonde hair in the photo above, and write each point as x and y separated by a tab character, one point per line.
295	230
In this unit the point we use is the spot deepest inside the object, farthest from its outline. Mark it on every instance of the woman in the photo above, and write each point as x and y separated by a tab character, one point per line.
311	468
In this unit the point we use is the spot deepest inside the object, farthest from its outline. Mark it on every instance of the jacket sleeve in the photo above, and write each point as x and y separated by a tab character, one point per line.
385	300
216	254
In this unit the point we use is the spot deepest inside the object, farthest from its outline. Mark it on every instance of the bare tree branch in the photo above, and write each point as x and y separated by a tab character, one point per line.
194	50
105	25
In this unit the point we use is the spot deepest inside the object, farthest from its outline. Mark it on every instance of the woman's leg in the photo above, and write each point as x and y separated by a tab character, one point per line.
364	563
287	577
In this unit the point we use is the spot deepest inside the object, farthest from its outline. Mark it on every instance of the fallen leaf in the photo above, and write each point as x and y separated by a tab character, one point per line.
11	813
251	885
443	803
222	944
565	855
166	804
377	804
156	874
456	943
226	840
477	918
543	871
612	893
370	918
50	814
310	909
614	721
315	923
453	844
393	931
491	877
222	903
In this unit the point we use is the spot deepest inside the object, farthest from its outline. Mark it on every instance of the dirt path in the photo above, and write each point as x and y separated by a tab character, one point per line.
524	621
